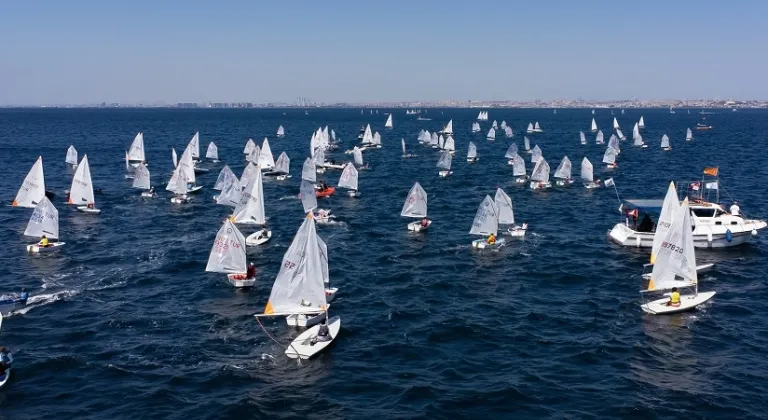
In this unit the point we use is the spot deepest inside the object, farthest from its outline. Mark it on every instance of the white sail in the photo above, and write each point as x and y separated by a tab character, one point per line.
333	135
266	160
249	147
471	151
587	171
415	203
253	157
402	142
71	156
283	164
688	134
486	219
348	177
613	142
212	152
582	138
357	155
541	171
136	151
376	138
195	146
309	171
230	194
228	251
449	145
178	182
615	123
638	140
44	221
299	287
668	210
445	161
441	142
676	258
530	128
174	157
508	131
664	141
594	125
319	157
536	154
536	126
225	176
564	169
480	116
248	172
280	131
518	166
504	206
141	177
81	191
475	127
620	135
33	188
434	139
494	124
526	144
388	124
308	196
250	209
511	152
491	134
187	165
368	135
448	128
641	123
503	125
610	156
599	138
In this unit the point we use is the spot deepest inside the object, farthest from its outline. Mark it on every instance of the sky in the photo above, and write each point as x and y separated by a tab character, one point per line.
87	51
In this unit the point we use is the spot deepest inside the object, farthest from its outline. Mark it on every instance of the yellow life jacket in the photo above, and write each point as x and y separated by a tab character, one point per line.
674	297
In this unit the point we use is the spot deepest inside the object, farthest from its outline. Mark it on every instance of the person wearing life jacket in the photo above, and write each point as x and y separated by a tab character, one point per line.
251	273
323	334
674	298
424	222
491	239
5	360
24	295
89	205
43	241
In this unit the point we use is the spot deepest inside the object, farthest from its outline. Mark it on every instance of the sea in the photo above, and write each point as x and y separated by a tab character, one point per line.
124	323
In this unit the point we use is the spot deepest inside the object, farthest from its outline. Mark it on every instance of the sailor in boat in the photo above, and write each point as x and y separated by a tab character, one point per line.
5	360
152	190
424	222
44	242
491	239
613	165
323	334
89	205
674	298
251	273
646	225
735	209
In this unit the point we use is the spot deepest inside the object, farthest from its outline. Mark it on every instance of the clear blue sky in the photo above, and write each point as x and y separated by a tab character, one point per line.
87	51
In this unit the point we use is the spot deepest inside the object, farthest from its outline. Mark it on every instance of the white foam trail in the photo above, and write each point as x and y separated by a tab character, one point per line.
42	300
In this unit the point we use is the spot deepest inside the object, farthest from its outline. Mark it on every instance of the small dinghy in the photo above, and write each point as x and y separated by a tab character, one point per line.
507	215
5	376
259	237
518	170
416	206
472	153
486	224
44	222
178	184
348	180
71	158
563	173
587	174
142	181
306	344
228	256
406	154
212	153
32	189
135	154
675	268
280	132
665	143
81	191
540	176
609	158
445	163
250	210
282	168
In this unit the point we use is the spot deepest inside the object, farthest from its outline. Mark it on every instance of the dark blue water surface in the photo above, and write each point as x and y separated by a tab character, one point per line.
124	322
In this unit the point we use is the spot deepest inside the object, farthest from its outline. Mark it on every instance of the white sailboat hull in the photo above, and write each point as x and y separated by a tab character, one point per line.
257	238
194	189
564	182
703	237
687	303
537	185
302	347
239	280
517	231
37	249
483	244
180	199
471	160
417	227
445	174
87	210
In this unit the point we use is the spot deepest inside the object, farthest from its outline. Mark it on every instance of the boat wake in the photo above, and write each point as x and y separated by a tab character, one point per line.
42	300
289	197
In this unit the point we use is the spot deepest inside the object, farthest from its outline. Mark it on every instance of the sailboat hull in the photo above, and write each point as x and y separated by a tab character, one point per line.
417	227
687	303
483	244
302	347
257	238
517	231
240	280
87	210
37	249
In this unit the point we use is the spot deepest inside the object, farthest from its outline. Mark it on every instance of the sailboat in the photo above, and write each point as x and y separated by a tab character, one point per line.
507	214
688	134
472	153
620	135
266	160
136	151
309	320
449	145
141	180
388	124
282	168
508	132
582	138
537	128
299	289
495	124
448	130
44	222
529	130
187	165
518	170
416	206
614	143
445	163
249	145
357	157
615	124
599	138
675	267
32	189
406	154
212	153
174	157
280	132
225	176
665	143
250	210
491	134
178	184
527	144
609	157
536	154
81	191
540	176
476	127
348	180
587	175
228	256
194	144
511	153
563	172
641	123
594	126
486	224
72	157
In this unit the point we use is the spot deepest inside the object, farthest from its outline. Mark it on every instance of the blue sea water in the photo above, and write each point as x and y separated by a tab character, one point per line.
124	322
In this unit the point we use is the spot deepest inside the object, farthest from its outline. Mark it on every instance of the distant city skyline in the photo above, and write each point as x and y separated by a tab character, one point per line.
144	52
